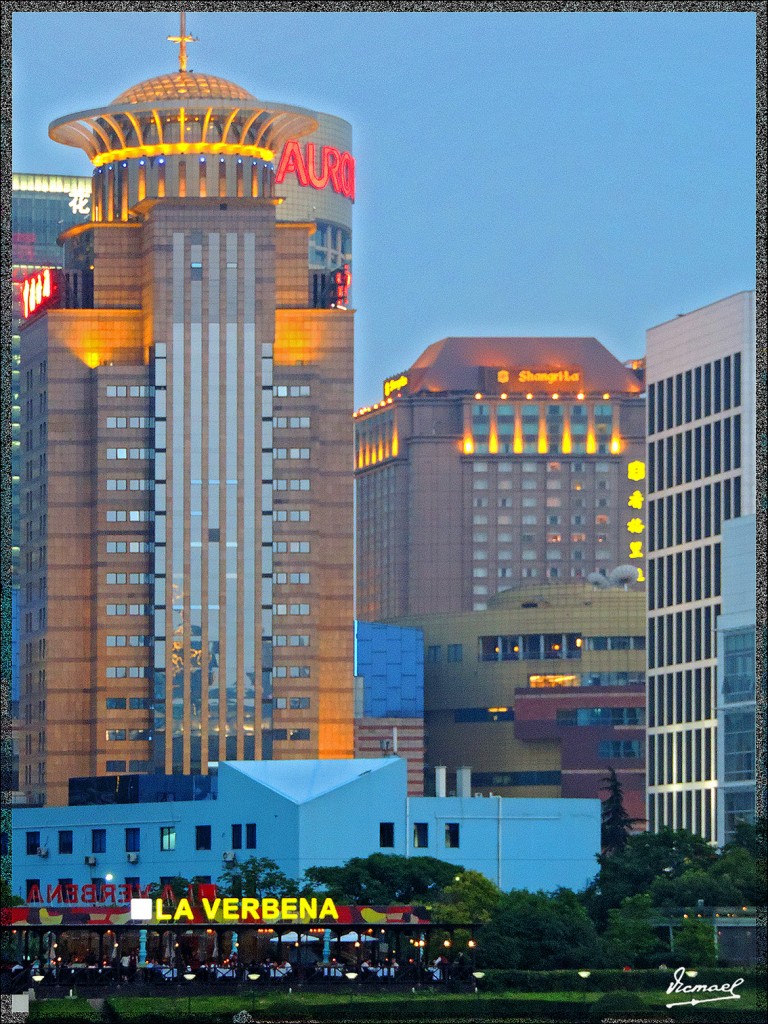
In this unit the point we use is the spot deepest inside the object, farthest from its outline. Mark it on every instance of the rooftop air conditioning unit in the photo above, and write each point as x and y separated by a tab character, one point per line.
228	857
133	858
42	851
385	744
90	860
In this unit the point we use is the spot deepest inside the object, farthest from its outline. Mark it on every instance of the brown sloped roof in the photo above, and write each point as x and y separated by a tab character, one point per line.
456	364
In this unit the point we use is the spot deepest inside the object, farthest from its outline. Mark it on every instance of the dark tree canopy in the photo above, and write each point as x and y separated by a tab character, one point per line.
616	824
385	878
255	876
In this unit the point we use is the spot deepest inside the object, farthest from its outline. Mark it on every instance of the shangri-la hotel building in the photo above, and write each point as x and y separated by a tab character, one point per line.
186	488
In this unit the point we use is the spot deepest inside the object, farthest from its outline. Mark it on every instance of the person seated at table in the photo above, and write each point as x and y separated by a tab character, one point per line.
285	968
366	967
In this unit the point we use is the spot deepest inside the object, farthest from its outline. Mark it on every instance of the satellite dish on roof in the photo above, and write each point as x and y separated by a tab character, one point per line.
622	575
598	580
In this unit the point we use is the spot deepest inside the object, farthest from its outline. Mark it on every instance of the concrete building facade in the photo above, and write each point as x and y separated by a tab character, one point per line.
281	810
540	693
700	373
492	462
186	494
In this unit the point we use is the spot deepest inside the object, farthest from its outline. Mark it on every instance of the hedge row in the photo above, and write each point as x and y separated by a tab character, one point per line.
503	980
73	1010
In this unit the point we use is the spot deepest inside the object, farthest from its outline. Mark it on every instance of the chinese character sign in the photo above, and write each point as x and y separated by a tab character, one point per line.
636	524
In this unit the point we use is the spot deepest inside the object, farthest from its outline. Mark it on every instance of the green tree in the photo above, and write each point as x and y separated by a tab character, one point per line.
646	856
694	944
470	898
536	931
384	878
631	938
615	824
179	886
255	876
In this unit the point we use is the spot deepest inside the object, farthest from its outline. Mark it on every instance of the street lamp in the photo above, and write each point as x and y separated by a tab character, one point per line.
189	975
351	975
478	976
254	977
584	975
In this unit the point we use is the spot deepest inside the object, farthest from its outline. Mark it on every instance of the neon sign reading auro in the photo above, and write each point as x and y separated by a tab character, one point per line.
336	168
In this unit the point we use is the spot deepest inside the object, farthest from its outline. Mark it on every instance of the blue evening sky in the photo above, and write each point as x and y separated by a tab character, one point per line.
517	173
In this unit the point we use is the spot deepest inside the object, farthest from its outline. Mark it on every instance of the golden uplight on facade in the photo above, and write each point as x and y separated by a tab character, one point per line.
606	396
580	396
615	446
555	396
529	396
497	711
504	395
478	396
469	446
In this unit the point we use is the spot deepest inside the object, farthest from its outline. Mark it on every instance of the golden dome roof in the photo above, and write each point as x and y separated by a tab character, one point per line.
183	85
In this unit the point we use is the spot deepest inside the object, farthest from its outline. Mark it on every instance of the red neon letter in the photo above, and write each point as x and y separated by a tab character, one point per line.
292	160
34	895
315	181
331	158
347	173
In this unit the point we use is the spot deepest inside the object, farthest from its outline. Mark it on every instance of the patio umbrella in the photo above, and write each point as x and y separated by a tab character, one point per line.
294	937
355	937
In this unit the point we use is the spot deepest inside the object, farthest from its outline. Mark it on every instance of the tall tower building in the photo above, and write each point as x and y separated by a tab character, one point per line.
700	373
494	462
186	505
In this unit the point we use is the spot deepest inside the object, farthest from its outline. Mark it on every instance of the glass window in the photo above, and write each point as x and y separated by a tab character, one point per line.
65	841
452	835
455	652
132	840
237	837
167	838
98	840
250	836
33	842
386	834
420	834
202	837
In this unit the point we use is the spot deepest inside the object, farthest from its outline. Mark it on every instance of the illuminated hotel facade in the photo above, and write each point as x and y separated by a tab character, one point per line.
701	474
186	493
494	462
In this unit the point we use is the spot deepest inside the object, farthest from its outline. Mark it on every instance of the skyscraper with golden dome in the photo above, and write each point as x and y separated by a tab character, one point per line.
186	481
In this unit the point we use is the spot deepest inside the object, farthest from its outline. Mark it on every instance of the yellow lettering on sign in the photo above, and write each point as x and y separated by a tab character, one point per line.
211	909
636	500
635	525
230	912
270	909
640	576
184	910
329	909
395	384
308	909
249	908
288	909
554	377
159	915
636	470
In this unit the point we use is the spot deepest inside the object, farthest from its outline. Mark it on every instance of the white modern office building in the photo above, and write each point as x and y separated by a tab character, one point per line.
700	376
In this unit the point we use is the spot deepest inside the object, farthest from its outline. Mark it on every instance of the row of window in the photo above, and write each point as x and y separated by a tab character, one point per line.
684	756
695	455
295	515
136	484
115	735
300	578
129	609
301	547
120	547
699	392
692	515
291	391
292	422
291	453
133	703
292	640
682	637
132	422
290	485
680	697
529	466
128	672
130	453
136	515
135	391
685	576
291	703
614	717
133	839
291	609
137	640
134	578
290	734
291	671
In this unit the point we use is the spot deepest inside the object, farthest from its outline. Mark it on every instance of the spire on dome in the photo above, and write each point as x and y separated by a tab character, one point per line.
182	39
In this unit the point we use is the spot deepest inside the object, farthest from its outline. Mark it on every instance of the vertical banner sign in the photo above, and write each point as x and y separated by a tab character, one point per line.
636	525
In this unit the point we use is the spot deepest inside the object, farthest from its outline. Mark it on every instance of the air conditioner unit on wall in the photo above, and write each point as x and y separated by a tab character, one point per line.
133	858
228	857
42	851
90	860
